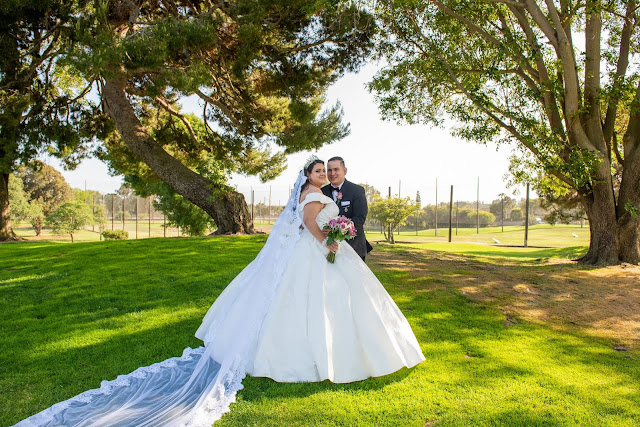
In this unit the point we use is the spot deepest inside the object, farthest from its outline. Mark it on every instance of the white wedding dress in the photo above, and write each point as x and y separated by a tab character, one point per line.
290	315
327	321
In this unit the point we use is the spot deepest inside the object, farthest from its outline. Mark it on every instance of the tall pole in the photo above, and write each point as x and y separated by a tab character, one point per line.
478	209
399	185
389	227
450	213
252	203
503	214
113	211
100	228
136	216
436	209
457	209
269	204
93	211
149	200
526	220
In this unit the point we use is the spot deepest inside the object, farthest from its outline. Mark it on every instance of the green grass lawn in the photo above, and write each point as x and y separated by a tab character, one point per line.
75	314
91	234
542	235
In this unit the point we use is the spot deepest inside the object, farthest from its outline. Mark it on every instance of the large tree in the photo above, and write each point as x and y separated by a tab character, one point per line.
46	185
555	77
39	109
259	67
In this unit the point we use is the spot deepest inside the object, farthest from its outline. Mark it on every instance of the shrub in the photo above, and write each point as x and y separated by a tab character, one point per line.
516	214
115	235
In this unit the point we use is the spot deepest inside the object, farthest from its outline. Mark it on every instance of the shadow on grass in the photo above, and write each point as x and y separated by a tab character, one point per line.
74	315
478	372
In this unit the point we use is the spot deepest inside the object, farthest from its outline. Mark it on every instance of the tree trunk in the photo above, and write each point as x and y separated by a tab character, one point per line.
629	241
6	232
227	207
600	209
628	209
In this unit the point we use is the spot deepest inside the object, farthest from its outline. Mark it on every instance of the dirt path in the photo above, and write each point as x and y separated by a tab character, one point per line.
602	302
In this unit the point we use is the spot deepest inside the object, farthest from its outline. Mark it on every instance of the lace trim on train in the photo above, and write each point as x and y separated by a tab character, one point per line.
216	405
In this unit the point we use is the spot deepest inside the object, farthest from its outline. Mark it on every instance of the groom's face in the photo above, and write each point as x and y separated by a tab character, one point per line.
336	172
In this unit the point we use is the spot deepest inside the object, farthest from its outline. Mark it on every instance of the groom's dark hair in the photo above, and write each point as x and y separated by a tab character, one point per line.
337	158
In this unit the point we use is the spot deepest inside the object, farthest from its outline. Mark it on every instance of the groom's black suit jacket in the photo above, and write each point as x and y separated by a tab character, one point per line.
353	205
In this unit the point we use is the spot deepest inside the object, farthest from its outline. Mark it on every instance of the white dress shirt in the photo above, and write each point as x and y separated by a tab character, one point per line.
334	193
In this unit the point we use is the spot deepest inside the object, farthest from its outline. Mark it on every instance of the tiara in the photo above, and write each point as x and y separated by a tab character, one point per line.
310	160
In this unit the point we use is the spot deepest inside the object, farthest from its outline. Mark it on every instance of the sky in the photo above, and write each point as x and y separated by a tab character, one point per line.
407	158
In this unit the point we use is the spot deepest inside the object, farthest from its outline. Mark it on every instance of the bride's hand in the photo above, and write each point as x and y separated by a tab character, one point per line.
333	247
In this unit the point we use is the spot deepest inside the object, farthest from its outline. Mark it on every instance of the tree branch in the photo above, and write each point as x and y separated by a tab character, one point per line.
592	33
564	51
616	148
164	104
549	100
300	48
517	57
225	110
507	2
509	128
621	70
543	23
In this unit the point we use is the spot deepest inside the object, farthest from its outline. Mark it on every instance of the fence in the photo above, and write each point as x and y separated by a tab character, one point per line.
140	219
131	213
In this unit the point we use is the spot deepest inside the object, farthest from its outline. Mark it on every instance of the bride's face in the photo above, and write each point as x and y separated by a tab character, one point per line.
318	175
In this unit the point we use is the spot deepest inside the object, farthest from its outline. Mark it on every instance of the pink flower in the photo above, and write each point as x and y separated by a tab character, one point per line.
339	195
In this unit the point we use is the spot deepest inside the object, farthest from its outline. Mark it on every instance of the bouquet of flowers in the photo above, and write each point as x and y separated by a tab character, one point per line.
340	228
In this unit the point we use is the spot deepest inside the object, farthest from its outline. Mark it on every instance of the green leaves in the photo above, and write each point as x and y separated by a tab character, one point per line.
70	217
496	71
391	212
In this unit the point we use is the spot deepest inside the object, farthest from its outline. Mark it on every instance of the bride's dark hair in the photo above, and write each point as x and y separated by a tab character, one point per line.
307	172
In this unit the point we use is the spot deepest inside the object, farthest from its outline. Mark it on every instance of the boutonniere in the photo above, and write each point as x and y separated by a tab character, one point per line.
338	197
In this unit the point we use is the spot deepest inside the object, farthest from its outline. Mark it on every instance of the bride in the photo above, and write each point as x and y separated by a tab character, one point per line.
289	315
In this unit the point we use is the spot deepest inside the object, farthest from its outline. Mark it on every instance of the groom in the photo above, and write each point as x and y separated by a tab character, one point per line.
351	200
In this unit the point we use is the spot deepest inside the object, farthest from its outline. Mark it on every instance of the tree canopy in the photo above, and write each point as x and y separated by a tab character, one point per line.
391	212
556	78
42	106
259	68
